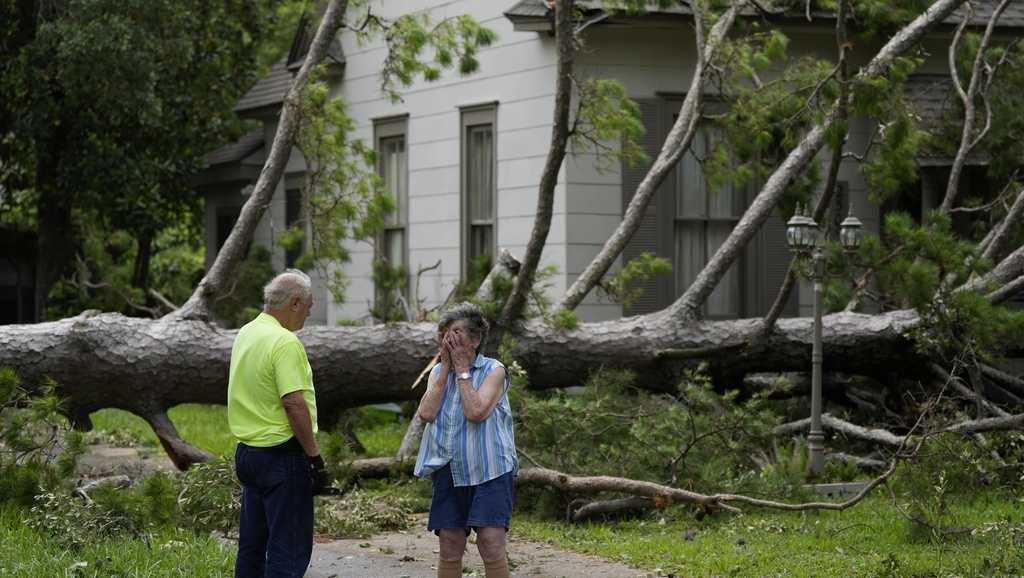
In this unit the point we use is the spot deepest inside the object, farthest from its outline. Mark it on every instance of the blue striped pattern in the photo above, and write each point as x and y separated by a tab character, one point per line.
478	452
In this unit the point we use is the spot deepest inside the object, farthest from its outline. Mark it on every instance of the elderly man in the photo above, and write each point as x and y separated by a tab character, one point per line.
272	412
468	446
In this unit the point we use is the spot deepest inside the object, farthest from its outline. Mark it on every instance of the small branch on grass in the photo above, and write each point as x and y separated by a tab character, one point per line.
117	482
613	508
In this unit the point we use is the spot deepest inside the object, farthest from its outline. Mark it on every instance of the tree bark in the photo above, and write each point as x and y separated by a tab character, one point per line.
828	193
523	282
144	251
676	143
1004	231
146	366
968	140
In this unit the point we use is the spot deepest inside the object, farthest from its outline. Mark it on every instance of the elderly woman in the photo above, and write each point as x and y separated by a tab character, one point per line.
468	446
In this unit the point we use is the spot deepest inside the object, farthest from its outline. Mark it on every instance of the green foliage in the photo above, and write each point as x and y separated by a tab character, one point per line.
948	471
242	304
359	514
605	113
104	276
696	438
895	166
338	455
345	196
390	283
766	119
122	150
27	552
565	320
210	496
453	42
37	446
73	523
621	287
916	275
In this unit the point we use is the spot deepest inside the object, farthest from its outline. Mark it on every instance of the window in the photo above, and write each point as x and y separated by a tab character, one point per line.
478	187
292	216
392	246
226	217
704	218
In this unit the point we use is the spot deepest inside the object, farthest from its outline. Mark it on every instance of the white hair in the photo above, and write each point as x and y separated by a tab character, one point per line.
285	287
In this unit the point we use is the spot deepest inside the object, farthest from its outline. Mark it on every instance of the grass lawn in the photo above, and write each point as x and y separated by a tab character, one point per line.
29	553
206	426
871	539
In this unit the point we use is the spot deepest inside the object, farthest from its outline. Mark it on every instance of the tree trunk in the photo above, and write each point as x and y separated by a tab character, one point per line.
146	366
56	244
222	272
140	276
564	13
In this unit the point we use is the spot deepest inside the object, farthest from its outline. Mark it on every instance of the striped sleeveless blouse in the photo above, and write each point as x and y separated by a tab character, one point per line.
477	452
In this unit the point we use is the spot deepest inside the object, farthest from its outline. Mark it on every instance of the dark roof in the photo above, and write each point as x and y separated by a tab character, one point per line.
269	91
931	96
933	99
1012	17
236	151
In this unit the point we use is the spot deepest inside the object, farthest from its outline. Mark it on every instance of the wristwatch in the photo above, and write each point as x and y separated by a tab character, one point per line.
464	375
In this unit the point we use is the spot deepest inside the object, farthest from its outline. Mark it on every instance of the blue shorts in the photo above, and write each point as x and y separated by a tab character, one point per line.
487	505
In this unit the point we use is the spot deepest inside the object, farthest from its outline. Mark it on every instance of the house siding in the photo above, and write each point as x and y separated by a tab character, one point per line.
653	59
516	74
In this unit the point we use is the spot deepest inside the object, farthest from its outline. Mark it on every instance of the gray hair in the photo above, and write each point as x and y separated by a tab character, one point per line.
285	287
476	322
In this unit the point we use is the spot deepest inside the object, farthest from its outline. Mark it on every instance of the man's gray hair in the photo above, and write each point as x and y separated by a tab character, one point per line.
285	287
476	322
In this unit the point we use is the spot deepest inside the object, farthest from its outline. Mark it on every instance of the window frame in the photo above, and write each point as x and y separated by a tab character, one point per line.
385	129
473	116
746	265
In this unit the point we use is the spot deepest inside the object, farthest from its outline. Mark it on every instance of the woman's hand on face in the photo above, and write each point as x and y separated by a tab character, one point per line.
461	351
444	352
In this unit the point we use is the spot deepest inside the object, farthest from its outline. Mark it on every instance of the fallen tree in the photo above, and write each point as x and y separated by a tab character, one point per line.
147	366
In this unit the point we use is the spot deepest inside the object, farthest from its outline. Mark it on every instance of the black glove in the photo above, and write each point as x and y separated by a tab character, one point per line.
318	468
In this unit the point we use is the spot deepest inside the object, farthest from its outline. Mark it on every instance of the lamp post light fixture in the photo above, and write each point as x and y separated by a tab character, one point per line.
803	237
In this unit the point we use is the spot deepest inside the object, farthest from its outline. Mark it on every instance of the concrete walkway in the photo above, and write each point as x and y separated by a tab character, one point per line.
413	554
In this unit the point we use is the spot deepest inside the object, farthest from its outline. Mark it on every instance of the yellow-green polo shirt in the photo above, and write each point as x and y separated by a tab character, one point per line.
267	363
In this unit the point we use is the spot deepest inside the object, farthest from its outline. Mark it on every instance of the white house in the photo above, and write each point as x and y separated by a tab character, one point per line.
463	155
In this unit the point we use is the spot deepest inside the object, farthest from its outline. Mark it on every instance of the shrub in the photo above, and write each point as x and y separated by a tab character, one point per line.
210	496
360	514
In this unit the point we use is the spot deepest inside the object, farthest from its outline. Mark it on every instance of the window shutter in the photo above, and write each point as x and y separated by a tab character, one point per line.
648	237
775	264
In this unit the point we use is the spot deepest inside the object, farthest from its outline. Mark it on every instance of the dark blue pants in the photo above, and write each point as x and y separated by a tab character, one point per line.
275	536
